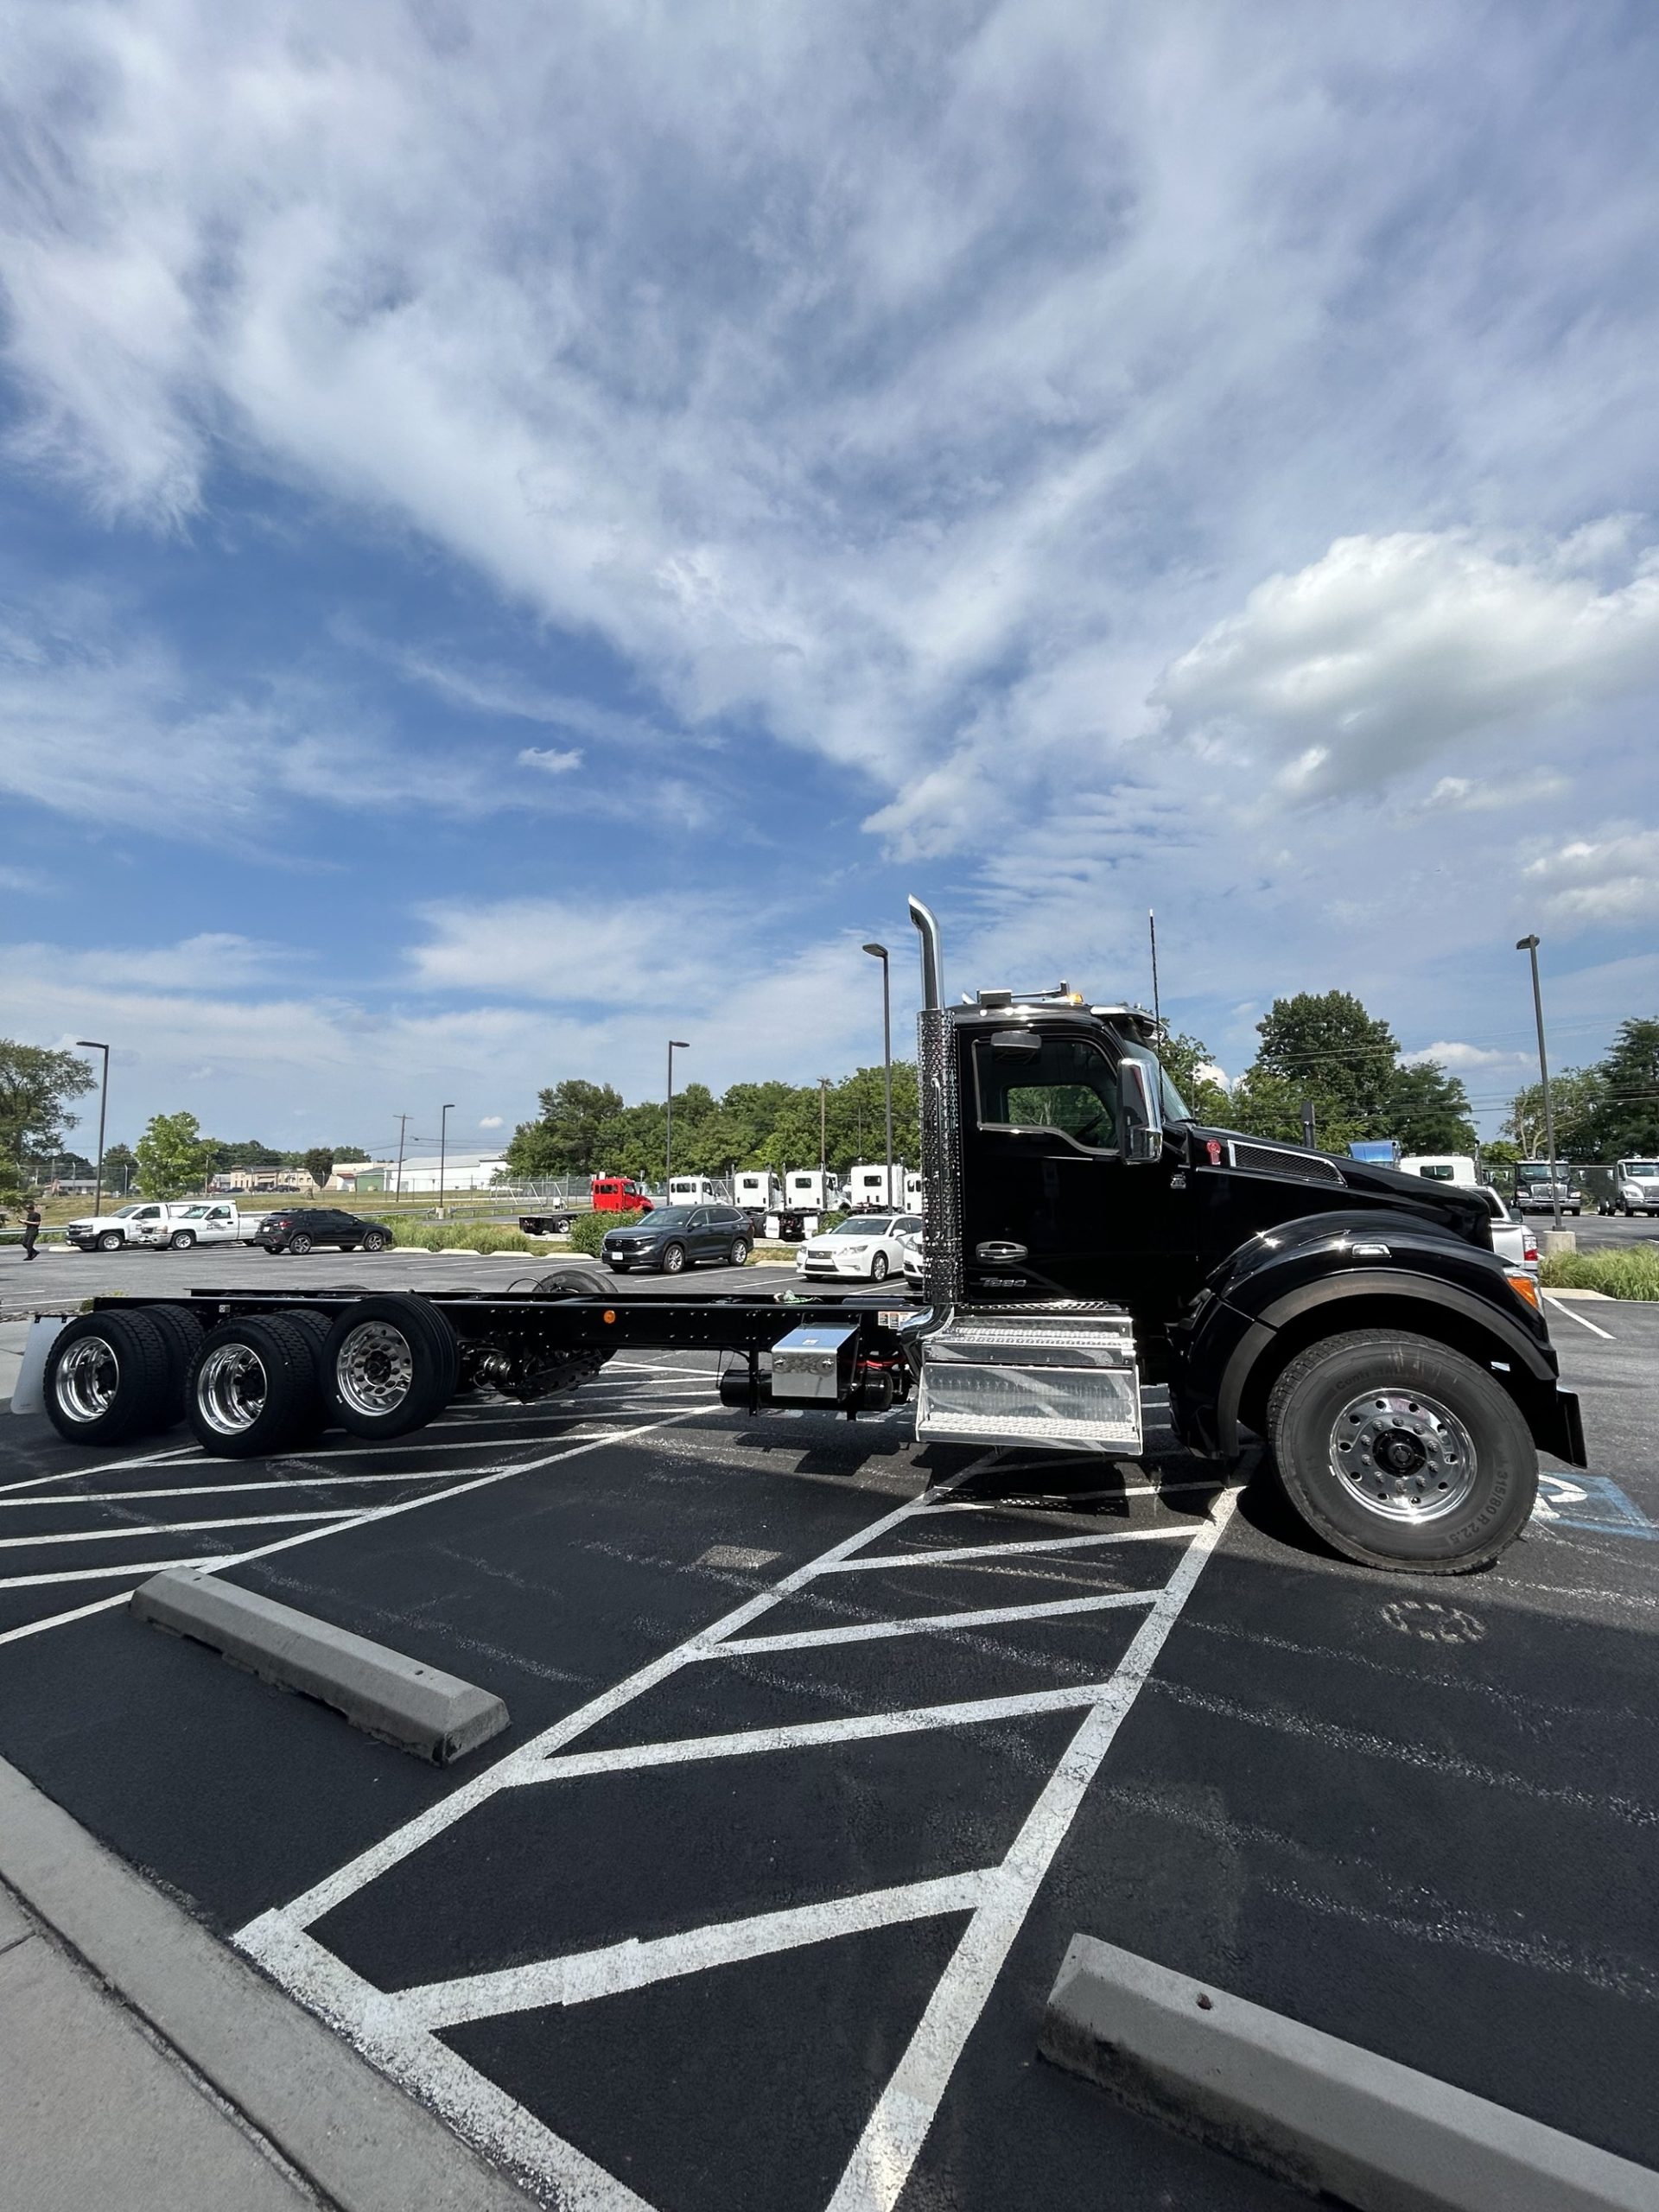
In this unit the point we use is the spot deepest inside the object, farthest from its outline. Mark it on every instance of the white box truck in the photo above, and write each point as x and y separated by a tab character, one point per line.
875	1188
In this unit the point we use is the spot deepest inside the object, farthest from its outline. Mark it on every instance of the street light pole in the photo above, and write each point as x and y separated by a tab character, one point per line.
402	1125
92	1045
443	1145
823	1147
1529	944
675	1045
880	952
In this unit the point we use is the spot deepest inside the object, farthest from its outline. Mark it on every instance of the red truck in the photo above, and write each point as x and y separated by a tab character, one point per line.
605	1194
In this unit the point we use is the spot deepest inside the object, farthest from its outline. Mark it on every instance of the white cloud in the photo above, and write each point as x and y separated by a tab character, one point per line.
551	763
492	1121
1466	1060
1613	879
1389	650
1469	794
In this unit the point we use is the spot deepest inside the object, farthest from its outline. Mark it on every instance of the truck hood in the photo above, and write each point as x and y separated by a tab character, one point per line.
1456	1212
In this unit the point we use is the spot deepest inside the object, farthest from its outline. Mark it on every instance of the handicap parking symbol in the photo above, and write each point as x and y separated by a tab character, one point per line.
1593	1502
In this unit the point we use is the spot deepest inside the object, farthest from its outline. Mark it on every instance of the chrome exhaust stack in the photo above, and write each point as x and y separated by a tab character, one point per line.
933	964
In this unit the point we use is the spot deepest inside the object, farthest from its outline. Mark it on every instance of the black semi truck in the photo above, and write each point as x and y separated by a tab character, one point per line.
1085	1237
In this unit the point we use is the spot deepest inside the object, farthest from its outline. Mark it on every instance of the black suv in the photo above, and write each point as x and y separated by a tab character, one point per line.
673	1238
300	1229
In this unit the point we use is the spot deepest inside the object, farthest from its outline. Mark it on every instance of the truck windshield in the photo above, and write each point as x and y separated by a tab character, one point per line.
1643	1170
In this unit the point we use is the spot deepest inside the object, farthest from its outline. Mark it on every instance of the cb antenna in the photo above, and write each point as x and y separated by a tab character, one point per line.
1152	931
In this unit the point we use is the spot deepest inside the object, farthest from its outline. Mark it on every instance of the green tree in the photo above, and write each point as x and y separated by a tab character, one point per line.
564	1138
1578	1098
1429	1110
1343	1060
1626	1119
319	1164
36	1086
1184	1059
172	1157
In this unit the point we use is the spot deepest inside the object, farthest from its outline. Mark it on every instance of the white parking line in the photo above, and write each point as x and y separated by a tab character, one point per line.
357	1520
262	1483
924	1556
1061	1501
1574	1316
171	1529
581	1976
928	1624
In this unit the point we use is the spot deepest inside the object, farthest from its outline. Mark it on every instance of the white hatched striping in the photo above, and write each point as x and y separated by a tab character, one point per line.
394	2029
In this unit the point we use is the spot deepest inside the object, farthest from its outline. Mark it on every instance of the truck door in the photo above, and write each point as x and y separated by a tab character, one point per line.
1048	1203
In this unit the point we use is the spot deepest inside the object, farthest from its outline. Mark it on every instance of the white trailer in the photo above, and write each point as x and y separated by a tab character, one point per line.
915	1193
757	1189
697	1191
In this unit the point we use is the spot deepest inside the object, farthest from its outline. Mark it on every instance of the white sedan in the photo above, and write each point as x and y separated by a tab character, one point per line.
868	1245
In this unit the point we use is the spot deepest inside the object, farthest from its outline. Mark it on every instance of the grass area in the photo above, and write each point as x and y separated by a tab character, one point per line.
1632	1272
472	1236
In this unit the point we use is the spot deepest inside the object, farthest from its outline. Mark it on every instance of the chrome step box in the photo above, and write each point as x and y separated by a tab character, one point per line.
1059	1379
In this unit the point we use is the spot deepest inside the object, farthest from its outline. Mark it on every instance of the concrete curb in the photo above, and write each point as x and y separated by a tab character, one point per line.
1319	2113
387	1694
357	2139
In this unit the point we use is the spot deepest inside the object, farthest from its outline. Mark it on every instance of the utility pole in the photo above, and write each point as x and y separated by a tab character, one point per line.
92	1046
1529	944
443	1146
1152	931
1308	1125
402	1125
823	1147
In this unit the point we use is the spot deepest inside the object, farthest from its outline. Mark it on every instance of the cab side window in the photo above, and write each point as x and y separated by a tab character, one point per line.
1066	1086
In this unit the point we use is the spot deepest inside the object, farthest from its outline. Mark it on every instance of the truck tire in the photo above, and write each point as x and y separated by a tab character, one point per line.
673	1259
1402	1453
110	1376
181	1332
111	1241
389	1364
253	1388
181	1240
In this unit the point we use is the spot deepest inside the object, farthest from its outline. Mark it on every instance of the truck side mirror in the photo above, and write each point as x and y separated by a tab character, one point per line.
1140	1116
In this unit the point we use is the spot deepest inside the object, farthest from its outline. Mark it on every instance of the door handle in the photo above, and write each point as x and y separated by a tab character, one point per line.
1000	1251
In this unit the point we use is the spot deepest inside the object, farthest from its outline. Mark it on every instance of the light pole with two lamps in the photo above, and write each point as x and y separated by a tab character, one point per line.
675	1045
91	1045
1529	944
444	1113
880	952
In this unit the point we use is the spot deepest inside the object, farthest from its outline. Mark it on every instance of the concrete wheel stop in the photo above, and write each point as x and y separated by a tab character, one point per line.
383	1692
1319	2112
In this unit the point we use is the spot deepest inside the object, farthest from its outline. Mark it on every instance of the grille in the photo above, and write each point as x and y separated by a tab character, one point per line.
935	1067
1268	1159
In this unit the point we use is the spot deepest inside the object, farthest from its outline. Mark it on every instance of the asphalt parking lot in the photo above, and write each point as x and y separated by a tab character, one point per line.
822	1749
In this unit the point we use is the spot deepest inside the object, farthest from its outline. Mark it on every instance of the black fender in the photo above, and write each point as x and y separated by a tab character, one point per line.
1316	1277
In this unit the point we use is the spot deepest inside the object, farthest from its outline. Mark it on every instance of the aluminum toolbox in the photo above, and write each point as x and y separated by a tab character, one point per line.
813	1365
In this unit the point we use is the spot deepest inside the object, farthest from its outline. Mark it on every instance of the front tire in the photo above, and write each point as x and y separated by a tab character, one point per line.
181	1240
673	1260
376	1240
111	1241
1401	1454
878	1267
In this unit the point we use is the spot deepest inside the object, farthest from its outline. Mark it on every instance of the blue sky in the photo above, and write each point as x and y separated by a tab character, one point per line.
528	532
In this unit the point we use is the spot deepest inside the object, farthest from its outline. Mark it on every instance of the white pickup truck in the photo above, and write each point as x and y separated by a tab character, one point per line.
151	1224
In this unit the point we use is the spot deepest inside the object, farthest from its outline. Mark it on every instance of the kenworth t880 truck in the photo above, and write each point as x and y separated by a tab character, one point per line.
1085	1237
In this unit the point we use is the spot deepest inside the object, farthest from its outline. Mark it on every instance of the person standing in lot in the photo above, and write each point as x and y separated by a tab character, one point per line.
31	1229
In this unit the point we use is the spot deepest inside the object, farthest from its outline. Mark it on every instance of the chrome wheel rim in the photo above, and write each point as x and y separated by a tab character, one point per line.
231	1387
673	1260
1402	1456
89	1375
374	1368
